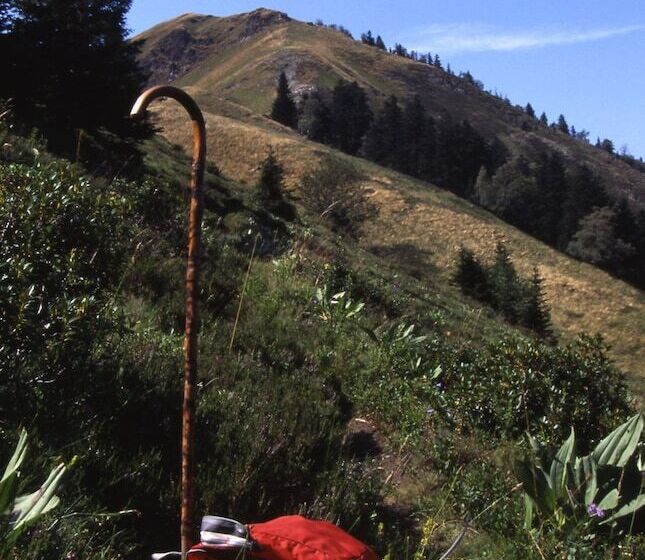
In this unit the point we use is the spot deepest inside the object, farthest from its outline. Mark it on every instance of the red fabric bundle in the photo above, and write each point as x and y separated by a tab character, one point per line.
295	538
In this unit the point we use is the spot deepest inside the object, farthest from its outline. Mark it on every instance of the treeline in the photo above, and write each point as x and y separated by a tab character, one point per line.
520	301
334	26
446	152
582	135
567	207
559	124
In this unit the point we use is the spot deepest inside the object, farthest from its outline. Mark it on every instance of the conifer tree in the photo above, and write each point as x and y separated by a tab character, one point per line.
536	315
437	61
506	290
472	276
380	44
314	120
5	21
368	39
4	14
562	124
400	50
550	175
412	144
543	119
351	116
584	192
529	110
72	67
284	109
461	151
382	140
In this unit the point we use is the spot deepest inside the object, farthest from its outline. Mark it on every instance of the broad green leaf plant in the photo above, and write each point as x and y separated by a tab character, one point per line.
336	308
19	512
596	492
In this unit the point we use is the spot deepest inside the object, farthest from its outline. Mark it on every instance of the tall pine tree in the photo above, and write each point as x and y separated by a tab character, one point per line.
552	184
412	149
72	67
351	116
382	141
536	315
4	14
506	288
284	108
472	276
562	124
367	39
315	118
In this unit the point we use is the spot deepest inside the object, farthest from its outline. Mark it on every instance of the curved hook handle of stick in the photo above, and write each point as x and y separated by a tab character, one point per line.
192	291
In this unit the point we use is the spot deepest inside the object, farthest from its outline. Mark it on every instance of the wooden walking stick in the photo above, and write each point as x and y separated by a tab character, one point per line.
192	292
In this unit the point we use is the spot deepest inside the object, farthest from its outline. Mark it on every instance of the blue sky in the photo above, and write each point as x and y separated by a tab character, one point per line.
582	58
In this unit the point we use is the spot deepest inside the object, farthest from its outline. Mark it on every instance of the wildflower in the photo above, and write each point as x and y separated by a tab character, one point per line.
594	511
430	411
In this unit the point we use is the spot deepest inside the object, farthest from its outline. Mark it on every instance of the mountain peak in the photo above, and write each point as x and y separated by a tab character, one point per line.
263	17
269	13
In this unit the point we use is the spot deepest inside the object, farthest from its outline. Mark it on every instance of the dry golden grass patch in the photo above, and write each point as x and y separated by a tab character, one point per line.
238	148
582	297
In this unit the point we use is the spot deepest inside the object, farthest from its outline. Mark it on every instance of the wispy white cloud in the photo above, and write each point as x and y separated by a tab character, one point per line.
466	37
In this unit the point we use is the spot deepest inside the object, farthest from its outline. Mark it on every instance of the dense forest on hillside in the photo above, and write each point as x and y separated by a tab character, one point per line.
331	383
564	205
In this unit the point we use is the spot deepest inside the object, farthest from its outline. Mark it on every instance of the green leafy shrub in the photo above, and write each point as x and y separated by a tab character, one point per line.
519	385
334	192
17	513
599	495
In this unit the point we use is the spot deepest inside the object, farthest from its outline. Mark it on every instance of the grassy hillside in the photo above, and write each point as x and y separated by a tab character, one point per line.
421	228
233	73
341	373
356	388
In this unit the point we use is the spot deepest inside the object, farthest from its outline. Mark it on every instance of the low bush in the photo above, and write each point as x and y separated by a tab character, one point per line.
334	192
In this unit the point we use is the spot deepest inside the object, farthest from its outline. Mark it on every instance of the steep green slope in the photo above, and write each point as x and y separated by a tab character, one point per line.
232	74
421	228
317	404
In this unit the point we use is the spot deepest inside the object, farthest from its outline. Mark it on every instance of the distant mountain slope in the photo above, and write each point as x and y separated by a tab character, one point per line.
239	57
230	65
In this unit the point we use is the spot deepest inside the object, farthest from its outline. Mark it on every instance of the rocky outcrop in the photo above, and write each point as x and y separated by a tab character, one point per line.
175	54
258	20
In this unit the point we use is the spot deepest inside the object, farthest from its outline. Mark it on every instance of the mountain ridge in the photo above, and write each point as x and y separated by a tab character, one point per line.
321	57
